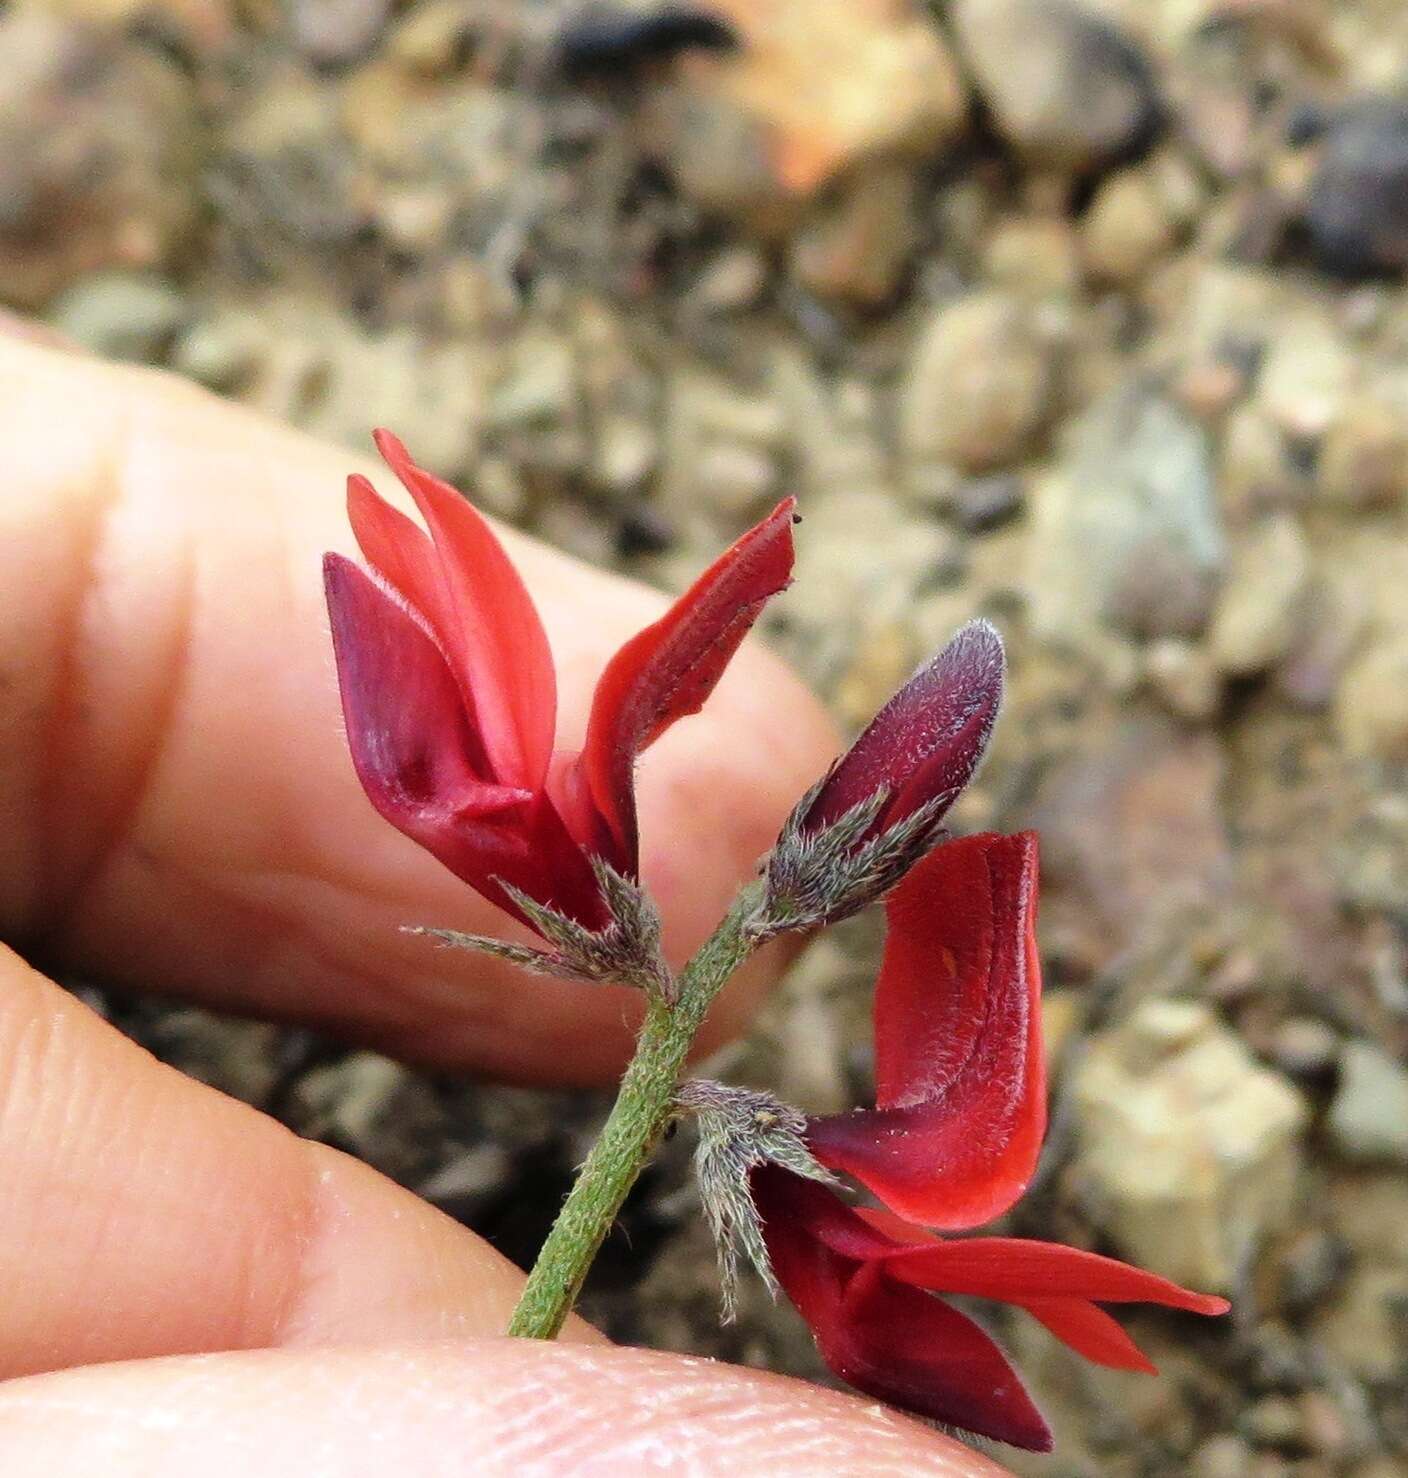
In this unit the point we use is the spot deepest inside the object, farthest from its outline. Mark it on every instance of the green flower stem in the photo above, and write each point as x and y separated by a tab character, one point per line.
643	1108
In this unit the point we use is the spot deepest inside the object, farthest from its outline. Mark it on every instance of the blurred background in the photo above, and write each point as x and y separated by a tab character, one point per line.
1088	317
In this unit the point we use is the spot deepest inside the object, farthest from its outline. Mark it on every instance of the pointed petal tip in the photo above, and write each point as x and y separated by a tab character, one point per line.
362	498
782	519
667	672
336	570
391	447
1041	1440
396	455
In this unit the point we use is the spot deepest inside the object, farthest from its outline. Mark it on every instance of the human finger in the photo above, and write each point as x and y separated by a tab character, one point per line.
146	1214
470	1409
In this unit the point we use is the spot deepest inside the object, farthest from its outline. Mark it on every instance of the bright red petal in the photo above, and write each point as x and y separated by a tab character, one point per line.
398	549
666	672
413	750
497	645
1016	1270
960	1080
887	1339
927	741
1090	1332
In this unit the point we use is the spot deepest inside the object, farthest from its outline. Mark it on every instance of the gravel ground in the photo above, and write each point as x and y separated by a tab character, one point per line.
1088	318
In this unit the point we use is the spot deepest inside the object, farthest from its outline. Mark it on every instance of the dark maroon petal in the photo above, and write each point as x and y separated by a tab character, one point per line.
554	870
960	1079
914	1351
401	556
664	674
890	1340
808	1207
926	742
411	746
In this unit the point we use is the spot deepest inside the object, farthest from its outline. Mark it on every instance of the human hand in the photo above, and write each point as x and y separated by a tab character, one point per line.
180	815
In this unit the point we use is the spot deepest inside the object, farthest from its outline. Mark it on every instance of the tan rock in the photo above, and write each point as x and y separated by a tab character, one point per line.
1364	460
1064	85
1365	1328
1127	228
1371	708
855	249
1183	678
979	384
1037	255
1188	1151
99	153
1262	600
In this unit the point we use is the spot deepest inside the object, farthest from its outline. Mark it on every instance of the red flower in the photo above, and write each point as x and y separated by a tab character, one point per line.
450	697
925	744
863	1280
952	1143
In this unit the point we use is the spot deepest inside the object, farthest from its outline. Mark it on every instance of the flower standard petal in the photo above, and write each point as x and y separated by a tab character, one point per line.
664	674
400	551
960	1080
401	554
498	646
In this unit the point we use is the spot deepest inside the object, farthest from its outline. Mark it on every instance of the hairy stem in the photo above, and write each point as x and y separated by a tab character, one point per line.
643	1108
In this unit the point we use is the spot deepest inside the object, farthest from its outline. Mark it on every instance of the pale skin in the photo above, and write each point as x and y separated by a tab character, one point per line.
178	814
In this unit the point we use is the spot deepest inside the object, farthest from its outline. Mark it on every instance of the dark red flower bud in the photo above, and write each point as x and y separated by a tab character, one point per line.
925	744
881	806
450	696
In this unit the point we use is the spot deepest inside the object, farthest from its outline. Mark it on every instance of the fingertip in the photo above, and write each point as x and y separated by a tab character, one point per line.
464	1410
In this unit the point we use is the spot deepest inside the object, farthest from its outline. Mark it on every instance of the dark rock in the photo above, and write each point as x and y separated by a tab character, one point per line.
1132	829
605	43
982	503
1356	213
